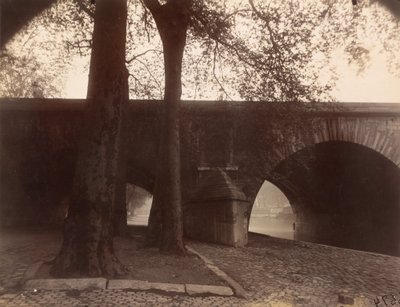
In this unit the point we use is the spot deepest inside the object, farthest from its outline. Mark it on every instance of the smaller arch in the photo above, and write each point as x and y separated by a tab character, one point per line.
138	205
139	194
272	213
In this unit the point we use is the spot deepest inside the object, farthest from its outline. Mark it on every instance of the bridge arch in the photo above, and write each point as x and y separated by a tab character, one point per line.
272	213
377	133
343	194
139	193
140	177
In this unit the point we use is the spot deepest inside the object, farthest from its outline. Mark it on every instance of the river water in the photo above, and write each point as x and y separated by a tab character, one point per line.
138	220
274	227
260	224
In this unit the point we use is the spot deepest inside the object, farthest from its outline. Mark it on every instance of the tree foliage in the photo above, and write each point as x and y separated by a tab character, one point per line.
248	50
41	53
22	77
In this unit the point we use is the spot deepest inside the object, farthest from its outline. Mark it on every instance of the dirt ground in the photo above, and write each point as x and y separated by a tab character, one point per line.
151	265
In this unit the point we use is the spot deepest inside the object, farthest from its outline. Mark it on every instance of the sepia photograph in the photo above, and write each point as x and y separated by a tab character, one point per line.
200	153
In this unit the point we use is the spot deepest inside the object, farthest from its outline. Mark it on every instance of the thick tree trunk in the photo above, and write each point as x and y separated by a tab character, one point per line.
172	209
120	201
88	235
172	21
120	204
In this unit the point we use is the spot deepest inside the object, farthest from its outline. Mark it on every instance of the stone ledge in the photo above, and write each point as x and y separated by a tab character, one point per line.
29	283
238	289
124	284
116	284
205	289
190	289
66	284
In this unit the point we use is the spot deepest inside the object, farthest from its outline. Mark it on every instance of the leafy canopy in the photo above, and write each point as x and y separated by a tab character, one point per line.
244	49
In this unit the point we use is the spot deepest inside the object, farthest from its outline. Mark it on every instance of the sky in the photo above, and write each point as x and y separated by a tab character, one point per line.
375	84
77	78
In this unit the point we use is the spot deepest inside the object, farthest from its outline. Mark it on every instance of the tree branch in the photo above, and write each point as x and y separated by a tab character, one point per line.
266	20
137	80
235	13
145	20
153	5
151	74
141	54
84	8
216	51
217	38
84	44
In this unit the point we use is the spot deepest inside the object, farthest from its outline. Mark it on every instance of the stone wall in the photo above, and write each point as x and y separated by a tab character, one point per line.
39	145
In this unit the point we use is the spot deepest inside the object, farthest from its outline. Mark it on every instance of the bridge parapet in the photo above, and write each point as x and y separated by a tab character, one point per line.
214	133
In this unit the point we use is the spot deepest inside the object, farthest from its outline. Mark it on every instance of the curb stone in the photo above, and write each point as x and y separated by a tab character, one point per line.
238	289
119	284
190	289
66	284
29	283
124	284
203	289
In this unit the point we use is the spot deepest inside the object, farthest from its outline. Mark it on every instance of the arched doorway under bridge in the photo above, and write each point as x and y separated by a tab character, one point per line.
272	214
138	205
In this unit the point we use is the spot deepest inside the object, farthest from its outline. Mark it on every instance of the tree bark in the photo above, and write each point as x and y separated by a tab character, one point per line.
120	201
172	19
87	247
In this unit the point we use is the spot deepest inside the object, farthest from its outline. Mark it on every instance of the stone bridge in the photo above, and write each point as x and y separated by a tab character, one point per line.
337	165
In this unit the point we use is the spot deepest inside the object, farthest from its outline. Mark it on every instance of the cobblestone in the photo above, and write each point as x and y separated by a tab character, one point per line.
274	272
304	273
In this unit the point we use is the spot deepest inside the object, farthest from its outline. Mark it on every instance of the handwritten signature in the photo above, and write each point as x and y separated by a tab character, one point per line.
387	300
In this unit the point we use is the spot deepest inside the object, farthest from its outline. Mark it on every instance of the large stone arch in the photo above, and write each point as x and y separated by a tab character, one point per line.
344	194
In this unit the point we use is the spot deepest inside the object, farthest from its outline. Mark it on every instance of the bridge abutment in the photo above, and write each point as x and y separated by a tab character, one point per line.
346	230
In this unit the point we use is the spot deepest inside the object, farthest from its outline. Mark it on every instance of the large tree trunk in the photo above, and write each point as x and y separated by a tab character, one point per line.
172	21
120	201
87	248
172	209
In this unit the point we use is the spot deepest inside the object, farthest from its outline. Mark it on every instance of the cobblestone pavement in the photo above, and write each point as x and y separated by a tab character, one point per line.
274	272
19	250
299	273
